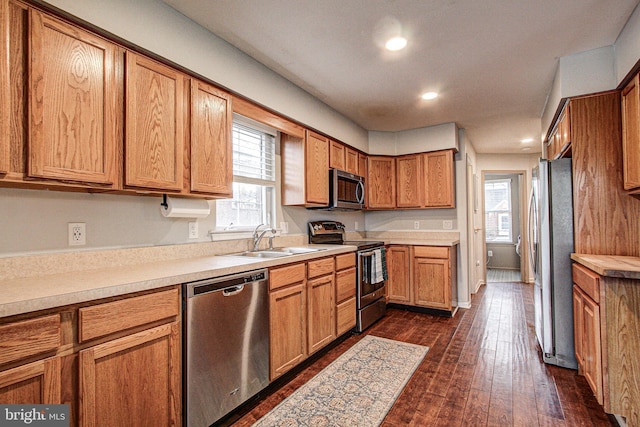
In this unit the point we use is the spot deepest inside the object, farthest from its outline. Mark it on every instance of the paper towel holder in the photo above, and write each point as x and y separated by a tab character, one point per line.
184	208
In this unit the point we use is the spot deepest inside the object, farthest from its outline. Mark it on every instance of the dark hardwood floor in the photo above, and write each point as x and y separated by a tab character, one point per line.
483	369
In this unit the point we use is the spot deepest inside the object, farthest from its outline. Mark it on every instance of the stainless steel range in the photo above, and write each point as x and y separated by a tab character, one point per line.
371	275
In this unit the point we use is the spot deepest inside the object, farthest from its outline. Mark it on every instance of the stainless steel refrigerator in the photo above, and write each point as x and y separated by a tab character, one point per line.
551	245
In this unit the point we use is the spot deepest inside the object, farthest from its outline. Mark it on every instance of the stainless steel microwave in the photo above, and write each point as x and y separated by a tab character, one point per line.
346	190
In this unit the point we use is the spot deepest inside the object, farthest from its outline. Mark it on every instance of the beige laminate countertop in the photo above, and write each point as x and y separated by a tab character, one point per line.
627	267
23	295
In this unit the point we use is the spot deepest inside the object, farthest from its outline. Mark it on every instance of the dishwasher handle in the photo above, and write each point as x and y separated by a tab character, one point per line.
229	285
233	290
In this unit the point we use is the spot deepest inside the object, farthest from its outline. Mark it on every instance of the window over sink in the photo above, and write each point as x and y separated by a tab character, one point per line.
254	178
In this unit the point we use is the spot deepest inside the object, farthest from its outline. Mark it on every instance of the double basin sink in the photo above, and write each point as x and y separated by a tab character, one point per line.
278	252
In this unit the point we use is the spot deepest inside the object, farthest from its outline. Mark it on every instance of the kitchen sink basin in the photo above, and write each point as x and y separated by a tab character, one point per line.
278	252
263	254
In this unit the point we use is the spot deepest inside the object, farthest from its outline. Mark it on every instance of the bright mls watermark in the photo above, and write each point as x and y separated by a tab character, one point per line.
34	415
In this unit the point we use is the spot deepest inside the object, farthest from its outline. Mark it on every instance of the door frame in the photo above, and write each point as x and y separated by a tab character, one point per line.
523	197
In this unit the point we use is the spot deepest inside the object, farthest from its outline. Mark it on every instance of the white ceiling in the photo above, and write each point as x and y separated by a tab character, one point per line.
492	61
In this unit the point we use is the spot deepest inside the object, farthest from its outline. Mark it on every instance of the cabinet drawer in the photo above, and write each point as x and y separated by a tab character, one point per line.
345	284
588	281
320	267
431	252
104	319
346	316
345	261
279	277
26	338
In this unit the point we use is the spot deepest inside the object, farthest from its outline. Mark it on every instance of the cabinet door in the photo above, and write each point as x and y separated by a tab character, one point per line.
578	326
631	134
287	328
409	181
381	187
132	381
154	126
72	104
439	180
432	283
37	383
336	155
351	161
363	159
591	346
398	286
5	88
317	169
211	147
321	317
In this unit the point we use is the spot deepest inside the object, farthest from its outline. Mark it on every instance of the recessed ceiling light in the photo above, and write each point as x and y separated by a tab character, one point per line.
430	95
527	140
396	43
526	149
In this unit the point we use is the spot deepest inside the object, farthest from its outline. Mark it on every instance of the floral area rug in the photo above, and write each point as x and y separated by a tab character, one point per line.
356	389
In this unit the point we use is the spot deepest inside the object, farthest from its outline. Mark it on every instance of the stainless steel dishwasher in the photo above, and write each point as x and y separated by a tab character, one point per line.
226	344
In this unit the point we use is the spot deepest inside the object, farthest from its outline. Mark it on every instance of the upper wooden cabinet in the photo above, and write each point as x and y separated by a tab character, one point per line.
631	134
559	140
414	181
351	161
154	125
305	170
409	182
381	183
211	146
5	88
600	201
439	179
336	155
73	103
363	160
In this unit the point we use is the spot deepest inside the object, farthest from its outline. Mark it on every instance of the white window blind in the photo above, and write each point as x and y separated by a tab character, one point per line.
253	154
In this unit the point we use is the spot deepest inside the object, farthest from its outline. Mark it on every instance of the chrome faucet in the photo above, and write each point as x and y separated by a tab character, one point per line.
257	237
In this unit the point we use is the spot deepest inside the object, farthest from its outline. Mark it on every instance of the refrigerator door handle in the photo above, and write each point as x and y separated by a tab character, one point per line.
533	219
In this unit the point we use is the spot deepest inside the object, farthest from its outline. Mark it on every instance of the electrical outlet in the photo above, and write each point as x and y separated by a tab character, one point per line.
355	227
416	225
193	230
77	234
447	224
490	253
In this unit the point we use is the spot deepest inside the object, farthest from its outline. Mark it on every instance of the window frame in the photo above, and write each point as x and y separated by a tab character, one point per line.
500	213
269	194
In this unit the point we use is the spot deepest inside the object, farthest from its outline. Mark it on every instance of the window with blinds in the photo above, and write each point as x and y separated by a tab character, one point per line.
498	215
254	179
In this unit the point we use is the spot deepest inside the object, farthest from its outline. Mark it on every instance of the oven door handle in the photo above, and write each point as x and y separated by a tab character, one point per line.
367	254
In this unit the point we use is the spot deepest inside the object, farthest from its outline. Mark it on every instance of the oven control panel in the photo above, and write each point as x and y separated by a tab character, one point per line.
325	227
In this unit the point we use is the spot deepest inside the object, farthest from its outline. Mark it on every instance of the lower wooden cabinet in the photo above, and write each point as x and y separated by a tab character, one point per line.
133	381
116	362
345	293
399	283
423	276
30	370
310	304
37	382
287	318
586	327
321	312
